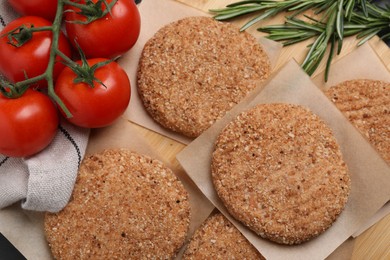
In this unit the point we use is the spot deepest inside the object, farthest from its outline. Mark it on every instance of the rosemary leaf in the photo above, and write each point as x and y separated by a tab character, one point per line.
266	14
363	6
386	36
247	2
340	19
367	36
330	57
235	12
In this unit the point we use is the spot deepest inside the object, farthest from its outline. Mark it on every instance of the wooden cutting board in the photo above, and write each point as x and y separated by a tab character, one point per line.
372	244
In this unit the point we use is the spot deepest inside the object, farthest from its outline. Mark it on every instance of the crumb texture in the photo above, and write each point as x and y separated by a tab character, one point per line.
279	170
194	70
124	206
366	104
217	238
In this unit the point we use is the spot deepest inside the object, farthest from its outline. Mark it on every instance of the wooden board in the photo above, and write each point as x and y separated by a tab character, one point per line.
372	244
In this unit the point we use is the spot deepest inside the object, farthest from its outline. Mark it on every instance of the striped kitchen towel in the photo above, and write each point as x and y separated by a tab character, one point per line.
45	181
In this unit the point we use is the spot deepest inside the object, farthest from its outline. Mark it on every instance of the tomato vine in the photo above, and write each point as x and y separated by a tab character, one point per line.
40	79
19	36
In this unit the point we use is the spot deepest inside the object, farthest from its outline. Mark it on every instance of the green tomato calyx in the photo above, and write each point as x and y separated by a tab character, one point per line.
91	11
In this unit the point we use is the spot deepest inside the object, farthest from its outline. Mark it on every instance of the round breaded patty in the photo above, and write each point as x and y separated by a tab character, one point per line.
366	103
124	206
194	70
279	170
217	238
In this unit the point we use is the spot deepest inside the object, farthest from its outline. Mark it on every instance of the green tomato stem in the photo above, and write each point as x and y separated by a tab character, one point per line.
56	29
80	6
30	81
68	61
41	29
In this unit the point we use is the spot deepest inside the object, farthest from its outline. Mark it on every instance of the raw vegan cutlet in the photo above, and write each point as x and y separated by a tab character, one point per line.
217	238
194	70
124	206
366	104
279	170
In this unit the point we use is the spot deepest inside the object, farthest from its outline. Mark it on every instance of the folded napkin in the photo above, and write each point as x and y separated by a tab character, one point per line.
45	181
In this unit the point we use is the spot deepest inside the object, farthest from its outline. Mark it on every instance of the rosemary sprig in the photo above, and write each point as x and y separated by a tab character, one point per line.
336	19
296	30
268	8
377	21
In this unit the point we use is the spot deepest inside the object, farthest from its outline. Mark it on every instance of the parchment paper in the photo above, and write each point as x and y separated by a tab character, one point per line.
154	15
24	229
369	173
363	63
383	212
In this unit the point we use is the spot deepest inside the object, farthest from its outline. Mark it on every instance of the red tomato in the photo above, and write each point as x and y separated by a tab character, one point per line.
97	106
31	58
43	8
109	36
28	123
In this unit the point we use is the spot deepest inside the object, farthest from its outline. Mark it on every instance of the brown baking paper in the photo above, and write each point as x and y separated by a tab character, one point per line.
363	63
154	15
380	214
369	173
25	229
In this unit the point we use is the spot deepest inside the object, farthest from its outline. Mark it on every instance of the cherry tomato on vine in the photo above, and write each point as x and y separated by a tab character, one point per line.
30	59
96	106
28	123
43	8
109	36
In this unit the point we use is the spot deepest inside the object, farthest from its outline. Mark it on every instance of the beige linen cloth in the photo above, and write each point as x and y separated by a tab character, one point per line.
45	181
